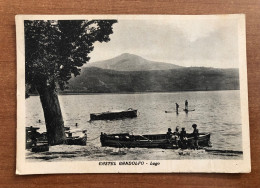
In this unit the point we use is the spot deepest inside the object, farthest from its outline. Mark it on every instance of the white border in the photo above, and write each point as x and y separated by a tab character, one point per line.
166	166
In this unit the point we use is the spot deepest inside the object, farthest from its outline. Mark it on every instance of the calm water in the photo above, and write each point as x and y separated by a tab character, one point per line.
217	112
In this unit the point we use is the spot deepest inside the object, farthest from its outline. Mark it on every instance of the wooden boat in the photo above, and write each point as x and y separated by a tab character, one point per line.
112	115
38	142
76	140
34	138
40	148
152	141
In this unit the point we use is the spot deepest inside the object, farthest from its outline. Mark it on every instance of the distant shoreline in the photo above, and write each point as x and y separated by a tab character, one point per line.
143	92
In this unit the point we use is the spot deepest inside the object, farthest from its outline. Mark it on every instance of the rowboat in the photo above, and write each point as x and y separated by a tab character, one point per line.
152	141
35	140
76	140
38	142
82	141
112	115
40	148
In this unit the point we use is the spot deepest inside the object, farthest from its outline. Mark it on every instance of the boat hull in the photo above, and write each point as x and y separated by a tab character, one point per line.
38	142
77	141
151	141
40	148
114	115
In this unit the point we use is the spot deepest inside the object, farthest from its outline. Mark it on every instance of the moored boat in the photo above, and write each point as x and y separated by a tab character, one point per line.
112	115
152	141
40	148
78	139
38	142
34	139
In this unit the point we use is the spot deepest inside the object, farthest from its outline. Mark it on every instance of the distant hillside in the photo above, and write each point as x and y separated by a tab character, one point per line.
130	62
96	80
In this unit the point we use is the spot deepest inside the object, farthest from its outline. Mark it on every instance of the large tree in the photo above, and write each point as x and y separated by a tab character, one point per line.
54	52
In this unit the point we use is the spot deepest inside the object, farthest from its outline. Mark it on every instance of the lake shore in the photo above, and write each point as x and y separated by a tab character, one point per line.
143	92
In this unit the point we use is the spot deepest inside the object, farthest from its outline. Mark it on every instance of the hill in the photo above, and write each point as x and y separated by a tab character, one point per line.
131	62
96	80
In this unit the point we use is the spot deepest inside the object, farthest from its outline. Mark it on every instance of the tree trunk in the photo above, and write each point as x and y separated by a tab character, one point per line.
52	114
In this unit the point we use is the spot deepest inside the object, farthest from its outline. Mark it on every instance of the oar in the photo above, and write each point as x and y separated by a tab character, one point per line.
146	138
188	109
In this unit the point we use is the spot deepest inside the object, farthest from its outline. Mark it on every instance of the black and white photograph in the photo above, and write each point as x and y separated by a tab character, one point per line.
131	93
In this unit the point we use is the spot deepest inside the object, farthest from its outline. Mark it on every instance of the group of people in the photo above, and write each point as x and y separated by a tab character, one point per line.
186	106
180	138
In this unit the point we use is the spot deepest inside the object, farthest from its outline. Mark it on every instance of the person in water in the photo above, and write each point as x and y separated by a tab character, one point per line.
186	105
76	124
195	135
177	108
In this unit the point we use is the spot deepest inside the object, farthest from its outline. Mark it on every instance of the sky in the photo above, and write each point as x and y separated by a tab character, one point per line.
185	42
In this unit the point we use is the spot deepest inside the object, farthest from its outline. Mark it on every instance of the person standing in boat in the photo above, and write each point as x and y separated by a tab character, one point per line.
177	108
195	135
186	105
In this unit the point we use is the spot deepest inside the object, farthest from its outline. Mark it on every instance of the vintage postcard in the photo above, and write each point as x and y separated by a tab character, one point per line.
132	94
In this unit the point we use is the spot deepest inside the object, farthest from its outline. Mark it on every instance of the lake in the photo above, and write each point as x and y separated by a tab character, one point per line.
217	112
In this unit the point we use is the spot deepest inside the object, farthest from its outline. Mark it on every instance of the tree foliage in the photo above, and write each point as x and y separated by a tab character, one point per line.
55	50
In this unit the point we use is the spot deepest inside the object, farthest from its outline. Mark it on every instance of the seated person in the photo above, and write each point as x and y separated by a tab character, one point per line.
169	133
183	134
176	135
176	132
183	138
